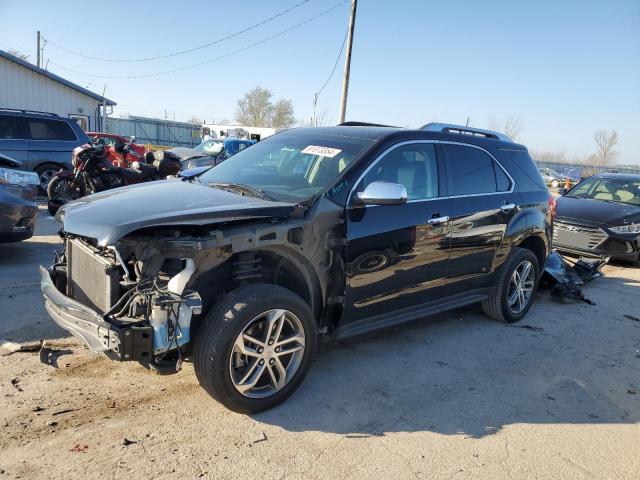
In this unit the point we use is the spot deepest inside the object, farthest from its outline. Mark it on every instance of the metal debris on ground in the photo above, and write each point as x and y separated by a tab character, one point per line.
566	277
631	317
7	347
263	439
16	383
50	355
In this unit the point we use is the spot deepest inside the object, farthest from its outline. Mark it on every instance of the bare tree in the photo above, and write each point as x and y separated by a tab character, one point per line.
606	142
283	116
255	108
18	53
195	119
512	126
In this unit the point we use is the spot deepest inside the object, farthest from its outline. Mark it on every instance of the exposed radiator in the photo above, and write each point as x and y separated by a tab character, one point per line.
92	278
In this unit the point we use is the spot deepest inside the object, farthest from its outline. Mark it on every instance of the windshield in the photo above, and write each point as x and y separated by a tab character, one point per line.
290	166
619	190
210	147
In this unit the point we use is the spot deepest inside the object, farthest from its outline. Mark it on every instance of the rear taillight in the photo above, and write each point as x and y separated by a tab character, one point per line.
553	207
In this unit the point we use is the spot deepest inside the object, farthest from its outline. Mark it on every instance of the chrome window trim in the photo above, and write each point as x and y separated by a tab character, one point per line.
442	142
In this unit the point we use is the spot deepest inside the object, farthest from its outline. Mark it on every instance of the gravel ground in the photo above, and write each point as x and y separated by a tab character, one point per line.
457	395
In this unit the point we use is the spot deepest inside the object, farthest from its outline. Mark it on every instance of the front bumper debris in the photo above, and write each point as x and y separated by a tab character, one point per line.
117	342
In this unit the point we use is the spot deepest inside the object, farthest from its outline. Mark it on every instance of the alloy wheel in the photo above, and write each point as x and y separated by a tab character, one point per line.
267	353
45	177
521	287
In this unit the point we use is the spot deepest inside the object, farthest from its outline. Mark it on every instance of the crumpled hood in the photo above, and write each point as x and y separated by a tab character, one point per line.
110	215
597	211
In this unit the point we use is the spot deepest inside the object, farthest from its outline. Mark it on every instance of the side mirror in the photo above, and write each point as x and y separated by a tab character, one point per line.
132	138
382	193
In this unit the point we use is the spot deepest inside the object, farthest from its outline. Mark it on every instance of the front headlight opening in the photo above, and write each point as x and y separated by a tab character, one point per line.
629	228
18	177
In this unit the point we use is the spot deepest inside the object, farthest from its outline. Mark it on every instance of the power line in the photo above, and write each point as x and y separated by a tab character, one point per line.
182	52
188	67
335	65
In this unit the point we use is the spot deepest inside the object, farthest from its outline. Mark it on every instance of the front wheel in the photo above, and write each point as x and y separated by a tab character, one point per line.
255	347
62	190
516	287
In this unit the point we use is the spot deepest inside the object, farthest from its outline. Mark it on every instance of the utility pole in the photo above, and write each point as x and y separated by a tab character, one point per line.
104	110
347	62
38	50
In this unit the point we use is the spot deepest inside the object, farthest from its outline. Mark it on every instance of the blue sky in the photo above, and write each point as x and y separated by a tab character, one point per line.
566	67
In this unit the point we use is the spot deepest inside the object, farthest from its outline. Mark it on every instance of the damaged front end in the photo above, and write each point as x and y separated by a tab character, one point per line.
129	302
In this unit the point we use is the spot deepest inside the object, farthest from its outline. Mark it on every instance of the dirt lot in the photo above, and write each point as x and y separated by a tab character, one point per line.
555	396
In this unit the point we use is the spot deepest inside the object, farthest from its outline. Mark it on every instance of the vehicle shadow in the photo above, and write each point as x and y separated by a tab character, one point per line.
460	373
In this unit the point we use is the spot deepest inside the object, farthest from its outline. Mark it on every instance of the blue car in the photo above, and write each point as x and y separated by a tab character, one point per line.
210	152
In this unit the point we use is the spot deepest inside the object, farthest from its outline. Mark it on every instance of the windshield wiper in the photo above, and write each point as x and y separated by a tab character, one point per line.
243	189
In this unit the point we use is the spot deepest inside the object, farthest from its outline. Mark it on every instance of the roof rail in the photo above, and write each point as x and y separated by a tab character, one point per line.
364	124
449	128
17	110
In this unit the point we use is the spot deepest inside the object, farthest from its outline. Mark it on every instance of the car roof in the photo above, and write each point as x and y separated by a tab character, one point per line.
380	133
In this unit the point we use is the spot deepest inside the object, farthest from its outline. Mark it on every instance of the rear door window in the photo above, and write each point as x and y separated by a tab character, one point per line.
11	128
44	129
470	171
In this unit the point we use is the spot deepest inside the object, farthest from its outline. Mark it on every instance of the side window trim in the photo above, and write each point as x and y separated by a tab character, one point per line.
441	169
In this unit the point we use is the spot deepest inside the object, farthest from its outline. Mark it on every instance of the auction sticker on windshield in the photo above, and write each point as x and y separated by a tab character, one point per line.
321	151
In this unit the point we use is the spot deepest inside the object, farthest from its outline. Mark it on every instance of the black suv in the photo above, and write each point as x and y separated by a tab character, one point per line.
312	233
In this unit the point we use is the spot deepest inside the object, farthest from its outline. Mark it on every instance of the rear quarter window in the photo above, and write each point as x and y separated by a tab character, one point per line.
11	128
470	171
43	129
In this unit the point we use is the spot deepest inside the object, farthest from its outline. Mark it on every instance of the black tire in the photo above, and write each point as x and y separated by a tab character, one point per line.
215	339
497	306
59	190
47	170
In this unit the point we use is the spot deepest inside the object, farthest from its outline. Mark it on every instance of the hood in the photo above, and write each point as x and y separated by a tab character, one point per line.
110	215
186	153
597	211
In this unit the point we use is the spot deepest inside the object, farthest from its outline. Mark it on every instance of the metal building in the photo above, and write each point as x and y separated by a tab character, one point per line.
24	86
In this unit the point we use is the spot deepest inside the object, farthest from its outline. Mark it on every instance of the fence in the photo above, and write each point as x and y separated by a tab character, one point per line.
576	171
155	131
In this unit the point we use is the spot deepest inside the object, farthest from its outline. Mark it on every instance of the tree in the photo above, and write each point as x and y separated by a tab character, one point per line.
606	142
255	108
18	53
196	120
512	126
283	116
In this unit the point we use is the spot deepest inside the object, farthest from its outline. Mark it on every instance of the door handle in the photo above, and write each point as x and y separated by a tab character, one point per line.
508	207
437	220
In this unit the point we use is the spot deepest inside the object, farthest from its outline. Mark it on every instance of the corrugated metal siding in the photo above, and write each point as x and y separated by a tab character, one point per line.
24	89
156	131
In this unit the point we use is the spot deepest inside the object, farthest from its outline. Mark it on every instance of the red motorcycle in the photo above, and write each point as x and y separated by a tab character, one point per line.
93	172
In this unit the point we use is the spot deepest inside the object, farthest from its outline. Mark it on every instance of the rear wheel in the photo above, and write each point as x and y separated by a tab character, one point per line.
516	287
255	347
